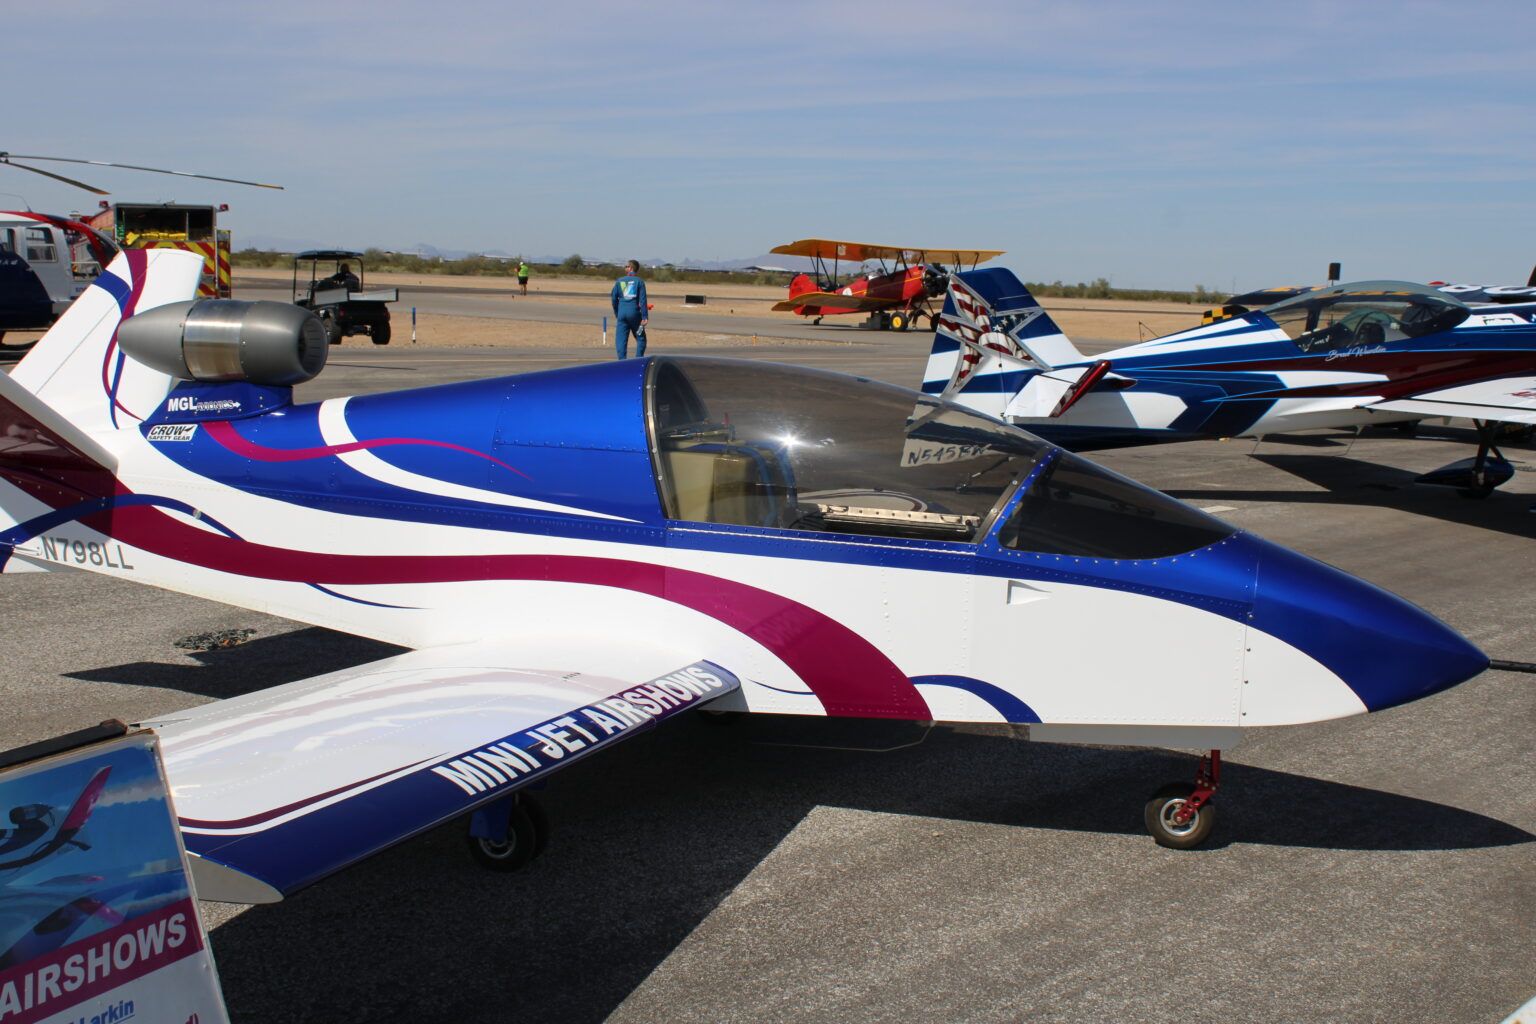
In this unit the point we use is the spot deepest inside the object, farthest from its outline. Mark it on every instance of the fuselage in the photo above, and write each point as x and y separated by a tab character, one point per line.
1247	376
805	530
902	289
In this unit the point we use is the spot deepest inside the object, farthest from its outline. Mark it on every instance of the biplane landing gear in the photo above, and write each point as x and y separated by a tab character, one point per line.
507	834
816	322
900	321
1180	815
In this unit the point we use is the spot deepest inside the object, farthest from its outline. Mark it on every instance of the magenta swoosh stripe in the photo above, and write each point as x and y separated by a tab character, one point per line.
277	812
224	433
138	263
849	675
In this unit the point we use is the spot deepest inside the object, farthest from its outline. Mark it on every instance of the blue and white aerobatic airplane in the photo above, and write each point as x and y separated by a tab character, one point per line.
576	554
1342	356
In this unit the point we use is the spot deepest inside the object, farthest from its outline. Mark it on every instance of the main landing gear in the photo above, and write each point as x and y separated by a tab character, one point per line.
1485	475
1476	477
507	834
1181	816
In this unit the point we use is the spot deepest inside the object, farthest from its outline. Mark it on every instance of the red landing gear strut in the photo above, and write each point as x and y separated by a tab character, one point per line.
1181	815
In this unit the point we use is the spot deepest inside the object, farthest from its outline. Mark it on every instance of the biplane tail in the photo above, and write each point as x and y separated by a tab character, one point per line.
801	285
991	340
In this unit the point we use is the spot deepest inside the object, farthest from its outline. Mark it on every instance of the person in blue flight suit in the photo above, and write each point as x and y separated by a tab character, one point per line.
629	311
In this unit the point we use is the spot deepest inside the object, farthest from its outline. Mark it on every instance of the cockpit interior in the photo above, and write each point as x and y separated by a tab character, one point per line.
785	448
1365	314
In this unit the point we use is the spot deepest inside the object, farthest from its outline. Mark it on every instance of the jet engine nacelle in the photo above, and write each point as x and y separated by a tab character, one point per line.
227	340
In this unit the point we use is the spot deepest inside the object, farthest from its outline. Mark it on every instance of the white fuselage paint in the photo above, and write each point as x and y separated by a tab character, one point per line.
1170	665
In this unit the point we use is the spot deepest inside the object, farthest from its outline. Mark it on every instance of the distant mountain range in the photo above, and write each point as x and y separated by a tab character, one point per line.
272	243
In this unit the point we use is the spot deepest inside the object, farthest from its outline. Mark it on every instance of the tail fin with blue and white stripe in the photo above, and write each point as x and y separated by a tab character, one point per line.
991	339
77	369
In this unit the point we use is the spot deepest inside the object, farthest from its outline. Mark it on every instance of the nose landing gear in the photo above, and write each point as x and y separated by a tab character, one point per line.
1180	815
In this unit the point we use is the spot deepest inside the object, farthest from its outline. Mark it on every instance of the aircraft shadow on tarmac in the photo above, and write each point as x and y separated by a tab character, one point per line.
1349	481
649	839
225	672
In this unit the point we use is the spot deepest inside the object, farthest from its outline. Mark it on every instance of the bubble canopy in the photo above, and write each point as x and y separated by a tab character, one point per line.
789	448
1365	314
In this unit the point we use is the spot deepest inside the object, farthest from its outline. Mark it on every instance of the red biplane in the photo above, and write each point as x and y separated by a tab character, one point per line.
904	287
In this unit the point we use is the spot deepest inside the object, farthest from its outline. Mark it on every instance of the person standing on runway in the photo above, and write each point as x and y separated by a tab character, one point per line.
629	311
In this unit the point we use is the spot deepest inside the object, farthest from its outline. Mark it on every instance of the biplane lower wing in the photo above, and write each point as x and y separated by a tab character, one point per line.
1505	400
280	788
834	300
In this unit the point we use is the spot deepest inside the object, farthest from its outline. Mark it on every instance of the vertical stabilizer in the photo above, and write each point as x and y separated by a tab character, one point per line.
78	370
991	339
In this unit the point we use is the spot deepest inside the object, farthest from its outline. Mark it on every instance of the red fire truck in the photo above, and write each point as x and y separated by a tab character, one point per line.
173	226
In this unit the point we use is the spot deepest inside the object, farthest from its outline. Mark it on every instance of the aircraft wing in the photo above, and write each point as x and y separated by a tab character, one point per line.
829	249
280	788
836	301
1505	400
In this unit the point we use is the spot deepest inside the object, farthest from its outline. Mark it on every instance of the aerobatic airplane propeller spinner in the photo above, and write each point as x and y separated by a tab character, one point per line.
576	554
1340	356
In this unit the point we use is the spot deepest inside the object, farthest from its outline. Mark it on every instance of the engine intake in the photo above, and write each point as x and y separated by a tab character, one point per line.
270	343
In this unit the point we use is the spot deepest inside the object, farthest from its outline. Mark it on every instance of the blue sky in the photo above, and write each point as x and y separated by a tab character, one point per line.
1225	144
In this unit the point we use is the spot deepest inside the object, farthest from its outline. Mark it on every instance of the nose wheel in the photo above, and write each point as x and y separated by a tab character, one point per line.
1180	815
508	834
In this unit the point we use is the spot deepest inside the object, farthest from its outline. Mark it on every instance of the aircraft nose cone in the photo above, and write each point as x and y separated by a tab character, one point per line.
1385	649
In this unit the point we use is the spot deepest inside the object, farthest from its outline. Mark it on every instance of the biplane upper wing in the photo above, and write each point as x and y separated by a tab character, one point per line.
1504	400
280	788
857	252
836	300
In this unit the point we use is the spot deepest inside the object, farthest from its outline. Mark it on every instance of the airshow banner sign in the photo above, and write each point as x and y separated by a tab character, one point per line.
98	924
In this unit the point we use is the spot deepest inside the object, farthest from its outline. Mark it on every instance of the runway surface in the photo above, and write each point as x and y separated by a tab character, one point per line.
713	318
1378	868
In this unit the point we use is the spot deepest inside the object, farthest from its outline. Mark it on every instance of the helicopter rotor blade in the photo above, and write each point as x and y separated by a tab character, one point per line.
137	167
5	159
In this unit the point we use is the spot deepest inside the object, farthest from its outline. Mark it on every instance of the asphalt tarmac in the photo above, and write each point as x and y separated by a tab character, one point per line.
716	317
1378	868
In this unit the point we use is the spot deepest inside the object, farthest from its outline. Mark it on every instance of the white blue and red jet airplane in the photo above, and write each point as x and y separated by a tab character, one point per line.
575	555
1347	355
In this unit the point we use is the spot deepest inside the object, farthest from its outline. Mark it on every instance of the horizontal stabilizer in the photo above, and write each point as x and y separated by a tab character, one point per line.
280	788
34	436
1049	395
1506	400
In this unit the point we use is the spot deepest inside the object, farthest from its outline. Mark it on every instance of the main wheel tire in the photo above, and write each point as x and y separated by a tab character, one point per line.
1165	803
527	834
333	331
900	321
380	334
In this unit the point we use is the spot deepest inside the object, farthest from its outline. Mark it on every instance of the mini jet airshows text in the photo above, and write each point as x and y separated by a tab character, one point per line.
1341	356
575	555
